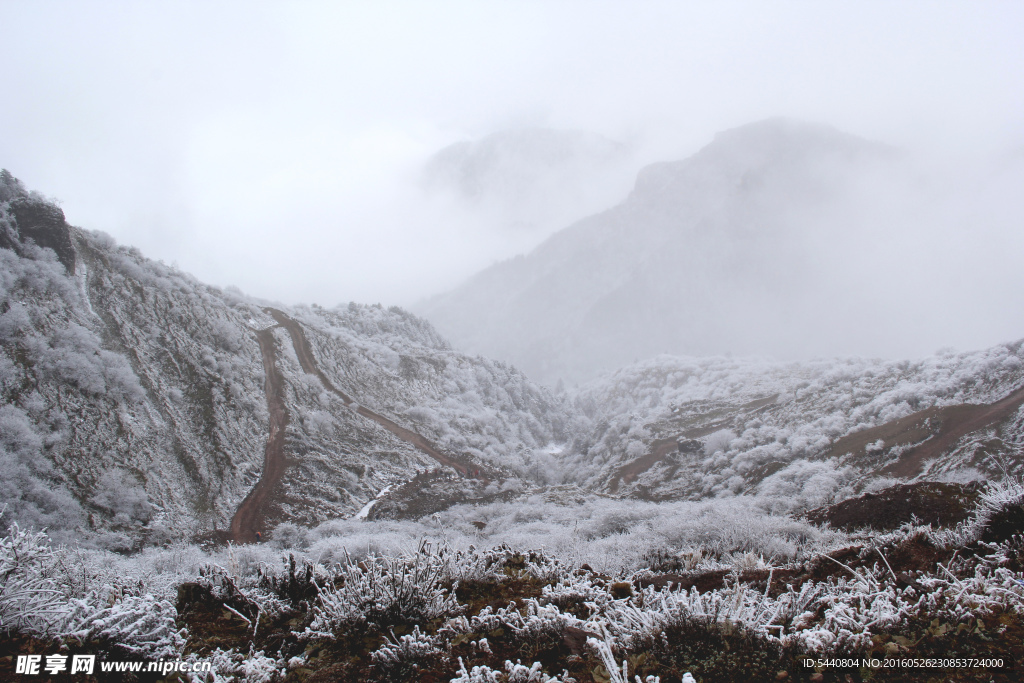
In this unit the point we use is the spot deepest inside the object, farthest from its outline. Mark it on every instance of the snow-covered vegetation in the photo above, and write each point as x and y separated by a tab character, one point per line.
505	615
634	528
133	407
768	427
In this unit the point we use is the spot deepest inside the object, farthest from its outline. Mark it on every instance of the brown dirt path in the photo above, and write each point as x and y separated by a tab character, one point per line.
956	422
629	472
934	431
663	447
248	517
308	363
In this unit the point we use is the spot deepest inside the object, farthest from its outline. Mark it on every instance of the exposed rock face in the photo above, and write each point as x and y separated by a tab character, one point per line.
44	224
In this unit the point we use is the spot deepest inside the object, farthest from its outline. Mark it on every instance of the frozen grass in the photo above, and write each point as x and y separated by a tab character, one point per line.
612	536
504	614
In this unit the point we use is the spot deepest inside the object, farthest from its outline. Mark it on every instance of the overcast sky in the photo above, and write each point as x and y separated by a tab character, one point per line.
273	146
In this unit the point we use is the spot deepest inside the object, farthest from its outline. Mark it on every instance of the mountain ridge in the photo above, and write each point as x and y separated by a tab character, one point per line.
136	411
702	252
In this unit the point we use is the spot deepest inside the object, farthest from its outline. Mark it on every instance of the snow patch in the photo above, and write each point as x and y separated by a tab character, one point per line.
363	513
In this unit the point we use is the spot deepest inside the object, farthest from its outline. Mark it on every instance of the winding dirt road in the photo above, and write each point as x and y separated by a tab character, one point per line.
248	517
308	363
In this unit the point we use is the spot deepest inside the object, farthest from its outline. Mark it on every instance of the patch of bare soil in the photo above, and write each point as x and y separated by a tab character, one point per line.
629	472
928	502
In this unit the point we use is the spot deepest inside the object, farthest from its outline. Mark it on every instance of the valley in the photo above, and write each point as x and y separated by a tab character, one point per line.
194	436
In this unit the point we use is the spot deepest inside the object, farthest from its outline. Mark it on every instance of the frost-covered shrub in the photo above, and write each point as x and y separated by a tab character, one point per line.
999	515
533	627
574	591
514	673
616	674
476	566
247	595
519	673
478	674
399	657
140	625
341	540
803	484
384	590
29	600
231	666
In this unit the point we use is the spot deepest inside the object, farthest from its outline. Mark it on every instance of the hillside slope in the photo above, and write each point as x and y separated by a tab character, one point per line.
135	406
804	433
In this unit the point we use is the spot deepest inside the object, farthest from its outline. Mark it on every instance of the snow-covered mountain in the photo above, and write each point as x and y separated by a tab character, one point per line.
135	398
780	237
140	405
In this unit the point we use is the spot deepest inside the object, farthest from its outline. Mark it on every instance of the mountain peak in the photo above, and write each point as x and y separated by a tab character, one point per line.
772	144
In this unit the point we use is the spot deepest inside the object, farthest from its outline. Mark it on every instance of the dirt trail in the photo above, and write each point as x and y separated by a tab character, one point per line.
248	517
629	472
308	363
956	422
661	448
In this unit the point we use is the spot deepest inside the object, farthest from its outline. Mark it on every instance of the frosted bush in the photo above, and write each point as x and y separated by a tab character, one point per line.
383	590
29	601
232	666
518	673
998	497
406	652
616	674
514	673
478	674
476	566
576	589
141	625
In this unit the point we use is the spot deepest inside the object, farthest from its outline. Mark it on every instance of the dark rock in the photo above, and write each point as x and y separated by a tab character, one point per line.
44	224
575	639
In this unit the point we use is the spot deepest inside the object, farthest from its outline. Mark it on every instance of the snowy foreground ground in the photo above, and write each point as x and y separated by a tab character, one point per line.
753	597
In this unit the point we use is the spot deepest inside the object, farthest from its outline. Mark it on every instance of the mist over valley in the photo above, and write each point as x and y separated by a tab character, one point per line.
539	346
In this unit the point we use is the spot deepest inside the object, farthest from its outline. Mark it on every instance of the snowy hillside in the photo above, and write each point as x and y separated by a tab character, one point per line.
440	515
135	399
780	238
801	433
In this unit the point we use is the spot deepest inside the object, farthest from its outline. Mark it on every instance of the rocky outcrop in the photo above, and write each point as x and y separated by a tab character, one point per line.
44	224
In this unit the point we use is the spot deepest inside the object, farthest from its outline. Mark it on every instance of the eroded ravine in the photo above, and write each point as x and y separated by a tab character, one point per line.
248	519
